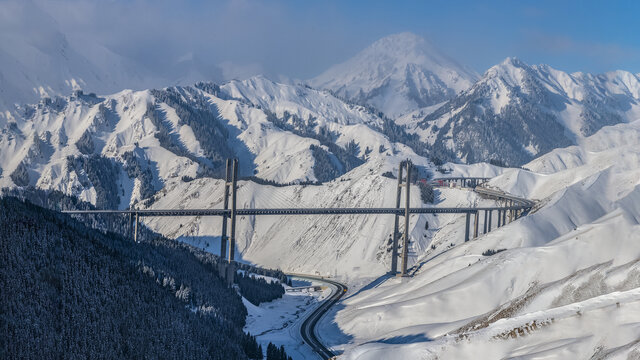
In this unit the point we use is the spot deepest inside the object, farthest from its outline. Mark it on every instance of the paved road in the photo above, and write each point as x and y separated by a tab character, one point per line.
307	330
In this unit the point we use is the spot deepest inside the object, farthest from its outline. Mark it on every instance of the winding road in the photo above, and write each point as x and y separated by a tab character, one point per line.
307	329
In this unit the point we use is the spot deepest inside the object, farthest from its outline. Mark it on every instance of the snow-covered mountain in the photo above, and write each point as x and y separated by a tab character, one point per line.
568	268
119	149
397	74
517	112
565	287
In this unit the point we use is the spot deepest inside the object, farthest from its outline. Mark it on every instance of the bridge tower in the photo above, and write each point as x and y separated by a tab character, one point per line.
405	240
230	186
224	238
394	251
234	198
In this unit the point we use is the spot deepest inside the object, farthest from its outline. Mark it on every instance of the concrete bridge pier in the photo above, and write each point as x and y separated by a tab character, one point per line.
486	215
407	214
489	226
234	192
476	222
224	238
394	251
130	225
466	228
135	231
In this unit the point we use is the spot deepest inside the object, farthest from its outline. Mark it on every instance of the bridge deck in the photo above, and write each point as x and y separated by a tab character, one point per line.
294	211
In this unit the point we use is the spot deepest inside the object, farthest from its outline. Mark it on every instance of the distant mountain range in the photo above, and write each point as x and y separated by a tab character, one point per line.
398	96
517	112
510	115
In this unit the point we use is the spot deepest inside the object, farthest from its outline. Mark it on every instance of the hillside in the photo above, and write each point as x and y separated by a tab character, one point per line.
117	150
78	292
567	280
517	112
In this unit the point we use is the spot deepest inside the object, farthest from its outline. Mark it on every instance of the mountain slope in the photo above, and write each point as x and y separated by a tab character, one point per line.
567	280
397	74
517	112
119	149
78	292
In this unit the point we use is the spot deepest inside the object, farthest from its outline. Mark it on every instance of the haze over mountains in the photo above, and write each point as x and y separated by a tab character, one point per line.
336	141
511	114
397	74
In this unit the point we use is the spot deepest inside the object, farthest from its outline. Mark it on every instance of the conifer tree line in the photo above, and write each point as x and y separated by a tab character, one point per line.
258	290
81	292
276	353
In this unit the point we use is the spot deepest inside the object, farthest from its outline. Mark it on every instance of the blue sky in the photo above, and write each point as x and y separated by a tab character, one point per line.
302	38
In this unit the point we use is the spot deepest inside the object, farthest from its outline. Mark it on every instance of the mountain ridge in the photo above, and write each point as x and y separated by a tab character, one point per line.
397	74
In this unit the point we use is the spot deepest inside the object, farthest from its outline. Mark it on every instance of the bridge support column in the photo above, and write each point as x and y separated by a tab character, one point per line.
490	212
234	188
224	238
476	223
486	216
466	228
499	218
394	250
130	224
504	217
405	242
135	231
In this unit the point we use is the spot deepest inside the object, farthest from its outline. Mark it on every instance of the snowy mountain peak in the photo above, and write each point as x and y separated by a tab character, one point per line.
510	72
542	107
403	47
397	74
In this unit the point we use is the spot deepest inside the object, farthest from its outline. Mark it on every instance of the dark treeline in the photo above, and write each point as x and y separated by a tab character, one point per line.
100	172
257	290
137	168
276	353
325	167
80	293
426	192
159	298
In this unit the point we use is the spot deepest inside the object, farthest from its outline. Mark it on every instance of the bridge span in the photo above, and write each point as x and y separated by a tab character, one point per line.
511	208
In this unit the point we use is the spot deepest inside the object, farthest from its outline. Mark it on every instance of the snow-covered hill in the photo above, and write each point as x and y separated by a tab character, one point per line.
397	74
119	149
517	112
566	287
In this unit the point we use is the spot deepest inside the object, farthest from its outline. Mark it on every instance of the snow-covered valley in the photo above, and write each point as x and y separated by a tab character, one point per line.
560	283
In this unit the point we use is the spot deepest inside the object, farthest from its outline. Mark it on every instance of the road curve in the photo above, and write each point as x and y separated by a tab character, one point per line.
307	329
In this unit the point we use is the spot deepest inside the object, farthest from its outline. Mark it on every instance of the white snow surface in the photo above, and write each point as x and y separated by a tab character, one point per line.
567	266
397	74
569	97
279	321
566	287
40	137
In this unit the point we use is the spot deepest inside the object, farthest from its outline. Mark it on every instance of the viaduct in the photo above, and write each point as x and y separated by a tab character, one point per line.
510	208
